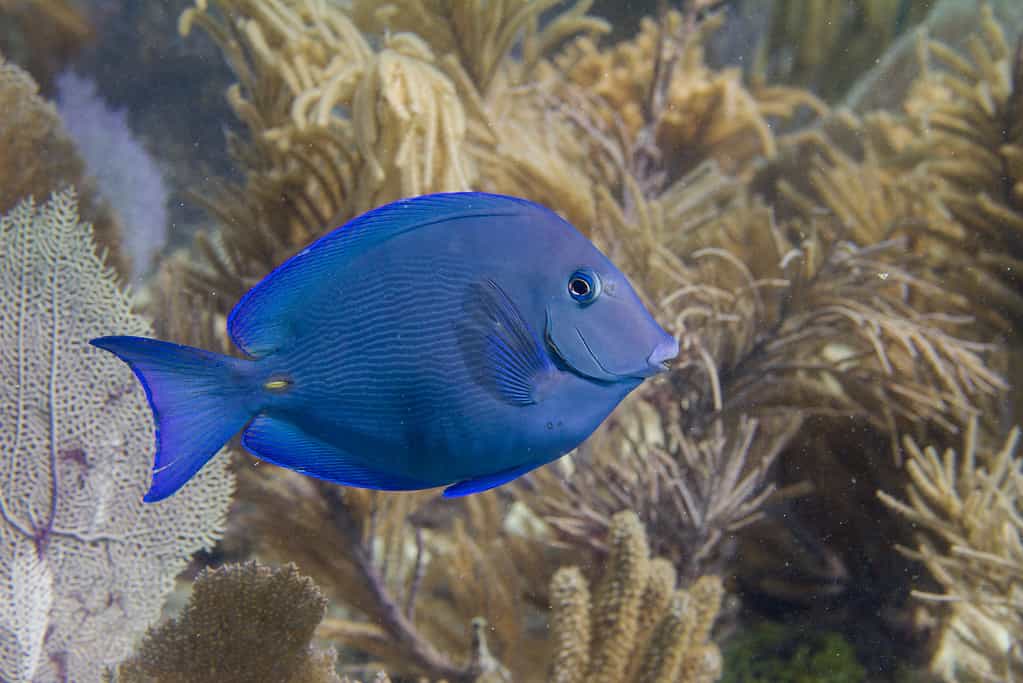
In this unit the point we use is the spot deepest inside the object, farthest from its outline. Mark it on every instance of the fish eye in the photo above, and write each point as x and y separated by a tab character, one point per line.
584	286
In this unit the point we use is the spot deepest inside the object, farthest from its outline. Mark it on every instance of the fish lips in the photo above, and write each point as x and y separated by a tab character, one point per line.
578	355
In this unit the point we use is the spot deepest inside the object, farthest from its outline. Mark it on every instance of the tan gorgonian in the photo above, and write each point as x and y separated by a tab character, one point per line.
966	509
637	625
656	111
43	36
402	578
336	126
968	113
825	45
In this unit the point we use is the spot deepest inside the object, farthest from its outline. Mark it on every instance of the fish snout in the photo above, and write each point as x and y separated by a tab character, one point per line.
665	351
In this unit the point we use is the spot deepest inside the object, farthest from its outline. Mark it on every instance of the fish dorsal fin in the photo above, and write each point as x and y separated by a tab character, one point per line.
260	322
501	350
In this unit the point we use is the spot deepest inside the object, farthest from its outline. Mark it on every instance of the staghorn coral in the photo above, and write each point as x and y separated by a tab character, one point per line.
85	564
966	510
243	622
39	158
637	626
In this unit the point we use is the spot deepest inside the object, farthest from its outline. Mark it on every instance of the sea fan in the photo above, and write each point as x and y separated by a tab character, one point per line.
84	565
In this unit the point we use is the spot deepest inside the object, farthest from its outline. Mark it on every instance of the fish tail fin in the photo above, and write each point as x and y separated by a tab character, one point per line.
199	401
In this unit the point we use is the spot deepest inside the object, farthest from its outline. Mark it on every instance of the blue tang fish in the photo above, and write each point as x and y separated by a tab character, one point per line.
455	340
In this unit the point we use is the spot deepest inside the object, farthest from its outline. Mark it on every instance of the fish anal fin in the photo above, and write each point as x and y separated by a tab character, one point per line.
488	481
279	442
501	349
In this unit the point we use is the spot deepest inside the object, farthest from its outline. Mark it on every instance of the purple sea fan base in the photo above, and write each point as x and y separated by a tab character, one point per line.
128	177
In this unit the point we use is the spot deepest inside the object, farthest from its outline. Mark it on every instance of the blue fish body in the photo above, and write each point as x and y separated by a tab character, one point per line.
455	340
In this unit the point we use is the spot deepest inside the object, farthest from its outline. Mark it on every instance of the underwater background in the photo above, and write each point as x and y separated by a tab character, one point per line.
821	199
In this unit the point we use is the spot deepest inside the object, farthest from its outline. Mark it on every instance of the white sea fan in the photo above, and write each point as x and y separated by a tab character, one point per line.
84	564
127	176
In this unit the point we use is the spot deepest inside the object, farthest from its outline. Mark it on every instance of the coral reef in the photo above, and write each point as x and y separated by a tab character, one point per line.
837	282
243	622
965	509
637	626
84	564
40	158
792	267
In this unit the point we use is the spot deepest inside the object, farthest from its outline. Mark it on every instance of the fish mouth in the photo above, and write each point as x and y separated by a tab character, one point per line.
663	354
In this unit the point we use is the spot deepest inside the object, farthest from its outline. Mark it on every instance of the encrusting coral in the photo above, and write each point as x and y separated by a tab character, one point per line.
244	622
637	626
84	563
966	510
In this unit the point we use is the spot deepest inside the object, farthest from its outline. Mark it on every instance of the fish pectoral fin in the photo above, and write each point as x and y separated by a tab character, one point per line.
501	349
488	481
279	442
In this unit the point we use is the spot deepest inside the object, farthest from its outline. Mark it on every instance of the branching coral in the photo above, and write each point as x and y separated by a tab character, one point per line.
637	626
690	492
243	623
656	111
966	508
